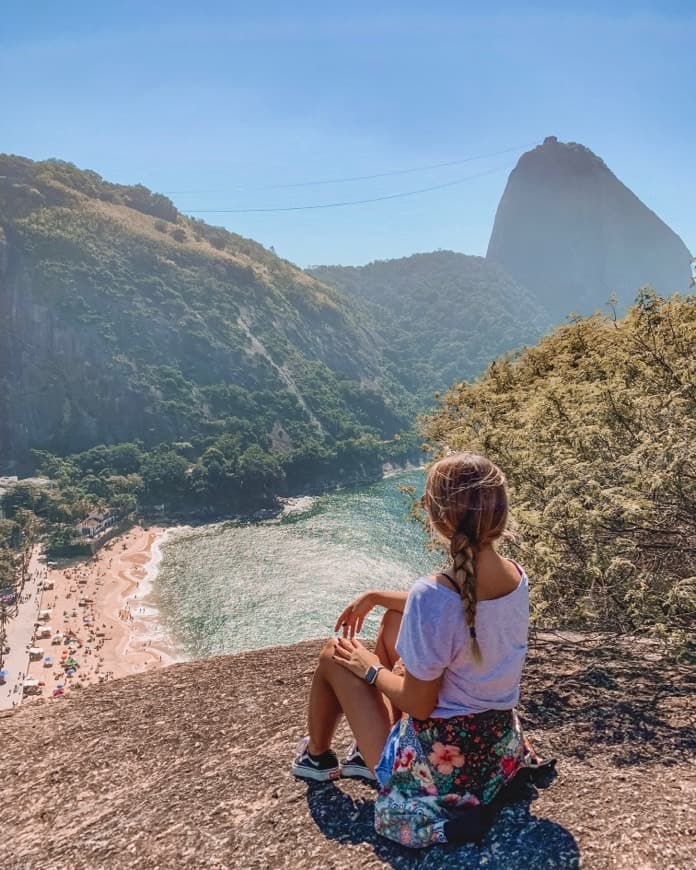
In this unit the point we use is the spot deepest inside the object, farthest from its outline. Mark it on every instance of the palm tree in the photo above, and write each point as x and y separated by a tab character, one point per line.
30	526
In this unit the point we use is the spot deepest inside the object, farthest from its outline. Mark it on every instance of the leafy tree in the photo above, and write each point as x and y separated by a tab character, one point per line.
29	528
123	503
9	533
595	428
259	474
164	477
7	567
63	540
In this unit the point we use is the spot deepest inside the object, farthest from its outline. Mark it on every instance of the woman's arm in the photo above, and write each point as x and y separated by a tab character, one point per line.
391	599
352	618
416	697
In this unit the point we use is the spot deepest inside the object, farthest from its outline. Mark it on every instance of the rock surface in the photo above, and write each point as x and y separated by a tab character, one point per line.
568	229
188	767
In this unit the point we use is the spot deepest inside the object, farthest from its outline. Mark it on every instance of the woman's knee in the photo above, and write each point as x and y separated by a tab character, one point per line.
389	628
386	639
326	656
391	622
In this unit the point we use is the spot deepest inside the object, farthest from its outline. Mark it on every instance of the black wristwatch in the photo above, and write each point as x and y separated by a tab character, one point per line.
372	672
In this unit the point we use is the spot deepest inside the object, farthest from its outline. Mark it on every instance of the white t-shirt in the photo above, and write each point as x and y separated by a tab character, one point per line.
434	639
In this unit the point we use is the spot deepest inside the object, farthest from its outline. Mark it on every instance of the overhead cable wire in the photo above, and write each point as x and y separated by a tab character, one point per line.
350	178
346	202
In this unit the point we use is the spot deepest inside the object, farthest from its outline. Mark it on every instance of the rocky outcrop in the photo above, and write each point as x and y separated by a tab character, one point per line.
568	229
188	767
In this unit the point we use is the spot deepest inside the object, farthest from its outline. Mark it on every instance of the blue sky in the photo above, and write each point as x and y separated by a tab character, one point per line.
223	103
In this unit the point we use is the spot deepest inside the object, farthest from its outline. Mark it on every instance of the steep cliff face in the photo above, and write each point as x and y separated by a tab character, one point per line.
567	228
121	319
54	378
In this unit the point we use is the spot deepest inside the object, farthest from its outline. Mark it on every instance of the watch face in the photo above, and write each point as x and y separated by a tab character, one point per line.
371	674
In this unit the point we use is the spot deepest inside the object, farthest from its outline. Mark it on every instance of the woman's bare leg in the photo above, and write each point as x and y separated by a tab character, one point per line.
324	711
336	690
363	705
385	647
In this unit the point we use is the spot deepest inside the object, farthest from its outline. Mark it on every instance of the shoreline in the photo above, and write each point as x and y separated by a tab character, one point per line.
106	602
104	606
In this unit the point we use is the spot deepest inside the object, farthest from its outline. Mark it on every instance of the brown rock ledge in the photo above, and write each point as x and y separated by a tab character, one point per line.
188	767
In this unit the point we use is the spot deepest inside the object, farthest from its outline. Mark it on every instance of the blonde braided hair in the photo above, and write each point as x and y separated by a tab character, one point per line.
466	500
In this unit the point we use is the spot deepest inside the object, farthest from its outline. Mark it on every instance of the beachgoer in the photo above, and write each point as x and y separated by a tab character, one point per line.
432	709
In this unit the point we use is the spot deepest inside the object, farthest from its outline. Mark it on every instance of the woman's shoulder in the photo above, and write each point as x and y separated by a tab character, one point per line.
429	584
427	593
499	581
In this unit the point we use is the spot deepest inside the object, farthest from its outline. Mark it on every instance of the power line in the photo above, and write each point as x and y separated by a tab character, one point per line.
346	202
350	178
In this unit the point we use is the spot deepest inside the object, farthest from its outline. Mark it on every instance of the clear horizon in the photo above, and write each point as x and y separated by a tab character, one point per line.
227	108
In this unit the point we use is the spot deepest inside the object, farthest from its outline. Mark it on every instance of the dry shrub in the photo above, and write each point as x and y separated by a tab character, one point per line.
596	429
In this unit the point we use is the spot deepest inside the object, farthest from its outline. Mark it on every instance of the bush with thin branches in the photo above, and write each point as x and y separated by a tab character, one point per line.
595	428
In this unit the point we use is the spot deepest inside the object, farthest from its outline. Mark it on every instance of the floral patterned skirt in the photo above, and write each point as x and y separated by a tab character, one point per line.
433	769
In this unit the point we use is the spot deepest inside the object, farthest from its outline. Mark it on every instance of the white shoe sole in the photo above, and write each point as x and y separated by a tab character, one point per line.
357	770
302	772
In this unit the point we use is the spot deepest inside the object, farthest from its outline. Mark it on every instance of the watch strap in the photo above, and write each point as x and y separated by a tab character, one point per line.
372	671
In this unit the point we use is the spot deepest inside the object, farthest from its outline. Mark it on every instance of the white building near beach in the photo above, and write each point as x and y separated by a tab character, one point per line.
96	523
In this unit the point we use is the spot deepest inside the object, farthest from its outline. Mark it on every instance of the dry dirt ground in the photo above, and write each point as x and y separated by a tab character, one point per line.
188	767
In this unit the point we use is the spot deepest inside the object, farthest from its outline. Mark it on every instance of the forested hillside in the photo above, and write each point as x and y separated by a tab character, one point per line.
121	320
596	430
443	316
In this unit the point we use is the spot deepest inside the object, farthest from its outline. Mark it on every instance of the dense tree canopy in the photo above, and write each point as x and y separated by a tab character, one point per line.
595	428
136	330
442	316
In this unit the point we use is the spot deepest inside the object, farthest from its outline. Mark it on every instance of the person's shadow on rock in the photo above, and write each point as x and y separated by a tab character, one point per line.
515	839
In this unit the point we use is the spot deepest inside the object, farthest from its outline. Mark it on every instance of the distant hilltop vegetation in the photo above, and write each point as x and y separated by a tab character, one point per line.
443	316
567	228
122	320
230	376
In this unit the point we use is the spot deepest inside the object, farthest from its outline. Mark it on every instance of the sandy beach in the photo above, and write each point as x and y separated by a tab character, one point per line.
102	606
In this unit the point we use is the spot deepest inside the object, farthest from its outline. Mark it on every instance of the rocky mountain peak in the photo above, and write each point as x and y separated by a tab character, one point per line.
569	230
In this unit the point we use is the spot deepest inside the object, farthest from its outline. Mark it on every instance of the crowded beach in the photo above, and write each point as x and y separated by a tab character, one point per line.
94	620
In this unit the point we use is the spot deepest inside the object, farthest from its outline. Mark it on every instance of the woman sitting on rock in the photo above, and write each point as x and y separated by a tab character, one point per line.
432	709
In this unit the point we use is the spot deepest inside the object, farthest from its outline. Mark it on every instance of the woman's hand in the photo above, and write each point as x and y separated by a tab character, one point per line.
352	618
351	654
399	668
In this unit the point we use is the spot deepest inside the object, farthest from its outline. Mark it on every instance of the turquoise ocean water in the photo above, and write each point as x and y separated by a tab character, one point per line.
230	587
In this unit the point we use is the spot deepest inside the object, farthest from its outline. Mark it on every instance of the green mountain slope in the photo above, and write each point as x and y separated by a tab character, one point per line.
443	316
120	319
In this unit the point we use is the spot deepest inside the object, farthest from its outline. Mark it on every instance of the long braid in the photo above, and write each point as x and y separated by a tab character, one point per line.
466	500
463	554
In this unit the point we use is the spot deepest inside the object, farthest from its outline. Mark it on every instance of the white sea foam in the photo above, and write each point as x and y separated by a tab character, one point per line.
229	587
149	623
